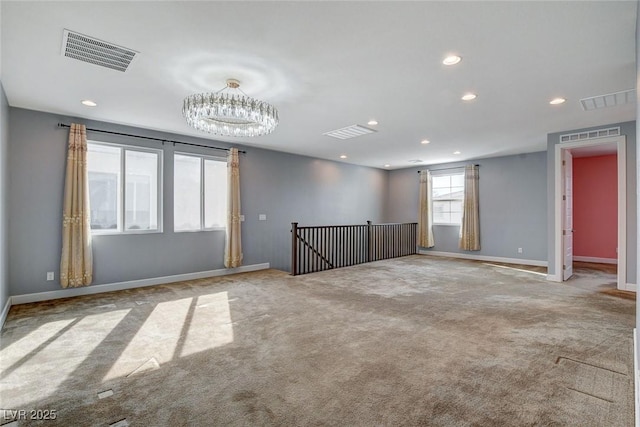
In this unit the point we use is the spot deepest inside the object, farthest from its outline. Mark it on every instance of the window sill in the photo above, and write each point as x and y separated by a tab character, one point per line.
123	233
201	231
447	225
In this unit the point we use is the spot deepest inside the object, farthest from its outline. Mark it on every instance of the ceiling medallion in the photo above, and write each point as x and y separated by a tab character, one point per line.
231	113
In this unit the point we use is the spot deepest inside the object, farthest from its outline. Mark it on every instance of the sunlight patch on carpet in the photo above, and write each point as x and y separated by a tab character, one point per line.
157	337
210	325
516	269
150	365
174	329
62	352
30	342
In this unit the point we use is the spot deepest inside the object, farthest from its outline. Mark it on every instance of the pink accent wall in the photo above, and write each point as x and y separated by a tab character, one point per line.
595	206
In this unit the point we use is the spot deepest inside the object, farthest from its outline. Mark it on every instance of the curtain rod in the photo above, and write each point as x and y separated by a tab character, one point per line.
62	125
444	169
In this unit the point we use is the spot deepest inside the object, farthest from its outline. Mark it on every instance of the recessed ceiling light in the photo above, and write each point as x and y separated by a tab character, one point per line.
387	165
372	122
556	101
425	141
451	60
344	156
88	103
456	152
469	96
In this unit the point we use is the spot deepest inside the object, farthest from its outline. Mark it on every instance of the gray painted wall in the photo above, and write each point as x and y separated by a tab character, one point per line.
513	203
628	129
309	191
4	184
285	187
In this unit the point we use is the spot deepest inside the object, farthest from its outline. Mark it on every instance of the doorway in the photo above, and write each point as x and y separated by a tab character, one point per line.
563	224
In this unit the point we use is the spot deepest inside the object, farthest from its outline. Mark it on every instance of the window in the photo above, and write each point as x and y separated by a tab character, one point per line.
199	193
448	193
124	188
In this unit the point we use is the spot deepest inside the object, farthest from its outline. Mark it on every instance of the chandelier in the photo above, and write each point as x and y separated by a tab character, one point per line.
230	114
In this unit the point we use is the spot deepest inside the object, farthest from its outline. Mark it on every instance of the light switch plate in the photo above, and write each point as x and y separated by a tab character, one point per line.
262	217
50	275
241	218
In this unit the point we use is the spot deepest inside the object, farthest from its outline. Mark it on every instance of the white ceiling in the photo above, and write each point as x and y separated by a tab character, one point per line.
327	65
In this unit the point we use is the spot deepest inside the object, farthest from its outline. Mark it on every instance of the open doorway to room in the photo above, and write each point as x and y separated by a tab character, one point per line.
590	177
595	213
595	205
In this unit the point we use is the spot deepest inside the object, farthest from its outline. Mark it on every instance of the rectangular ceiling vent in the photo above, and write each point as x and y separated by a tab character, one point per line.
598	133
97	52
609	100
349	132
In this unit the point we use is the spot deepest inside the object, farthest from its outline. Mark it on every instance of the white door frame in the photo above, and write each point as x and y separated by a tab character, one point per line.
567	213
622	205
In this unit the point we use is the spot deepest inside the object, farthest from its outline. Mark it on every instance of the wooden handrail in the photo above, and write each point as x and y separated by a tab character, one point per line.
324	247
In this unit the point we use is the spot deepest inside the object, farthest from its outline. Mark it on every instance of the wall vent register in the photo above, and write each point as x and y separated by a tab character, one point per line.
104	54
349	132
598	133
608	100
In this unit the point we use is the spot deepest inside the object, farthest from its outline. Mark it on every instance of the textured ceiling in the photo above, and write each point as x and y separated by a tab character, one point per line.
328	65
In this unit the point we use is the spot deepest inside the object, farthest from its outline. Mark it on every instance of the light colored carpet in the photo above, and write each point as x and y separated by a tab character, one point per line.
410	341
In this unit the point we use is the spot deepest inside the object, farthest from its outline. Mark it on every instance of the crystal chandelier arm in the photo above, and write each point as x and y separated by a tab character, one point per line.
226	87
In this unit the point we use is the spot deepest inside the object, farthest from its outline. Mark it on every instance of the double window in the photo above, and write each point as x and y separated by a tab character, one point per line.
199	192
125	188
447	195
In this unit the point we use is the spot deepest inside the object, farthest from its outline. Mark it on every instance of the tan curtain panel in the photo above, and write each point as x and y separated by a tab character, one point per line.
76	264
425	216
233	246
470	229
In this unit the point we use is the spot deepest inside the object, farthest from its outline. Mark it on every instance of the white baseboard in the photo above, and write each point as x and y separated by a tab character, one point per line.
595	259
629	287
636	378
632	287
5	312
97	289
485	258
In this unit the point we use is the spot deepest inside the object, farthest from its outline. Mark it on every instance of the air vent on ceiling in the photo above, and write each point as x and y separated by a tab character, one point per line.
414	161
98	52
598	133
349	132
608	100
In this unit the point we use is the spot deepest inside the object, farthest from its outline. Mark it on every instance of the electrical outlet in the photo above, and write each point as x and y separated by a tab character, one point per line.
519	250
49	275
241	218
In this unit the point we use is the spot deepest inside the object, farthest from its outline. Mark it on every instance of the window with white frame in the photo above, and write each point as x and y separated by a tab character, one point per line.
199	192
447	195
124	188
